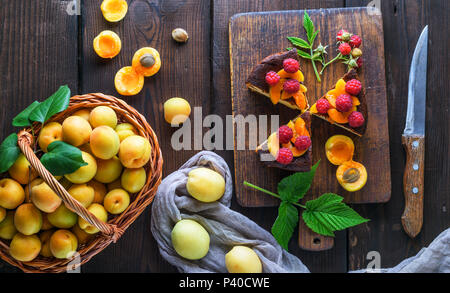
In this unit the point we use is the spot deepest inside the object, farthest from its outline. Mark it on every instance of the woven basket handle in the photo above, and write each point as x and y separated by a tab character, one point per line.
25	141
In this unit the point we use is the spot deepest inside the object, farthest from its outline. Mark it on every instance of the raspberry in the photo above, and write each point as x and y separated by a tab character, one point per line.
303	142
285	156
291	86
353	87
345	49
344	103
285	134
356	119
343	35
323	106
291	65
272	78
360	62
355	41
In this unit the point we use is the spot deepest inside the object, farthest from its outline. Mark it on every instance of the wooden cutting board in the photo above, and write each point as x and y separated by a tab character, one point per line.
253	36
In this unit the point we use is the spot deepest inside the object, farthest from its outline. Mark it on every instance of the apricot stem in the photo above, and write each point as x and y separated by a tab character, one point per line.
271	193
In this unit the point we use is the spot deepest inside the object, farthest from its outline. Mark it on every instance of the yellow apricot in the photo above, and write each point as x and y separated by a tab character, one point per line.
146	61
108	170
83	193
125	130
99	191
135	151
45	243
114	10
21	170
104	142
63	244
98	211
83	113
128	82
76	130
7	228
107	44
176	111
49	133
44	198
28	219
11	194
103	115
133	180
85	173
81	235
24	248
116	201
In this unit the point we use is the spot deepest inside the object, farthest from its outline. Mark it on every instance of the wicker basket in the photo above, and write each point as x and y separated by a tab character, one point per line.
116	226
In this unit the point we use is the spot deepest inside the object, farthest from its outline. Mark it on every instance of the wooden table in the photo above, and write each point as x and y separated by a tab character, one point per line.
43	47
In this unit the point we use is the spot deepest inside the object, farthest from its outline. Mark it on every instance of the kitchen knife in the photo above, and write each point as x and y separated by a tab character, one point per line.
414	139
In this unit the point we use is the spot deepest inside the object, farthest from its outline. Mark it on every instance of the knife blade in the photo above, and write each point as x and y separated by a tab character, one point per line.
413	139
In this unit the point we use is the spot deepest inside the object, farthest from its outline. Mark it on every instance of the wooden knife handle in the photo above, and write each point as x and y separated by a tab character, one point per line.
413	182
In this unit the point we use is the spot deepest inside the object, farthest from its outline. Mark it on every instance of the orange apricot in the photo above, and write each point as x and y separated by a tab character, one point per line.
275	91
128	82
114	10
146	61
297	75
339	149
300	100
352	176
107	44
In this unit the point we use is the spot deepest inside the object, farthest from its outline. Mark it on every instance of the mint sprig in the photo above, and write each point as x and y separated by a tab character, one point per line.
323	215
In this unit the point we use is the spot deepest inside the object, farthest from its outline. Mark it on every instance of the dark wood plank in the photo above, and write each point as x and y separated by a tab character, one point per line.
333	260
38	53
403	22
185	72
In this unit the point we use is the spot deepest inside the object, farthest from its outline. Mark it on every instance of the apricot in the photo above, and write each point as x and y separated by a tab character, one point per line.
135	151
116	201
300	100
21	170
108	170
103	115
76	130
146	61
104	142
125	130
243	260
176	111
339	149
273	144
49	133
128	82
63	244
133	180
2	214
62	217
115	184
11	194
97	210
83	113
99	191
205	185
46	225
83	193
107	44
44	198
275	91
352	176
295	152
24	247
28	219
190	240
114	10
85	173
7	228
297	75
45	243
81	235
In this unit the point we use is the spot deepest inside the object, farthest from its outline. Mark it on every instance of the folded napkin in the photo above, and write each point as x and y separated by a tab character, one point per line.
226	227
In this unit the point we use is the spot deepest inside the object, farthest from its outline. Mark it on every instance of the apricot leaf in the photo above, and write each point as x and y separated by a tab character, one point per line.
62	158
284	225
22	120
56	103
9	152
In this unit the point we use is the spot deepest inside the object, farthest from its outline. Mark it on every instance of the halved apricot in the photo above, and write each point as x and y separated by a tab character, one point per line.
352	176
273	144
128	82
107	44
356	101
300	100
146	61
340	87
340	117
339	149
330	96
275	91
297	75
295	152
114	10
285	95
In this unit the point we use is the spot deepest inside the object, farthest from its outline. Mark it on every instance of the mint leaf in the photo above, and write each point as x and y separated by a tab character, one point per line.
328	213
9	152
284	225
22	120
62	158
309	27
56	103
299	42
294	187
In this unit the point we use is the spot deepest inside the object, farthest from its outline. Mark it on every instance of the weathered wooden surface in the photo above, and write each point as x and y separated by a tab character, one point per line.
39	45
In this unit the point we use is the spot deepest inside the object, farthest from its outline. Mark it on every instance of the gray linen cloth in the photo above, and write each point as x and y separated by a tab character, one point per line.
228	228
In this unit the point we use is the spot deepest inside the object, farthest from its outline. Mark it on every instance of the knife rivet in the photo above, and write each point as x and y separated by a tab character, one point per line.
415	144
415	190
415	167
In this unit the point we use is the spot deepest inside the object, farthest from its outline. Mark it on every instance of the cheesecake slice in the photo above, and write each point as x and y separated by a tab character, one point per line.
257	81
302	160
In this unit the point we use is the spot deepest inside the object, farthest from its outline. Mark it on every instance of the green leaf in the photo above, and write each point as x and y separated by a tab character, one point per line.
56	103
313	37
299	42
22	120
328	214
9	152
284	225
62	158
303	54
309	27
294	187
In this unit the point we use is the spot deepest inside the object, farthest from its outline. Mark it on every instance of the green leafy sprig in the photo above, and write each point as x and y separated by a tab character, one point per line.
61	157
323	215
